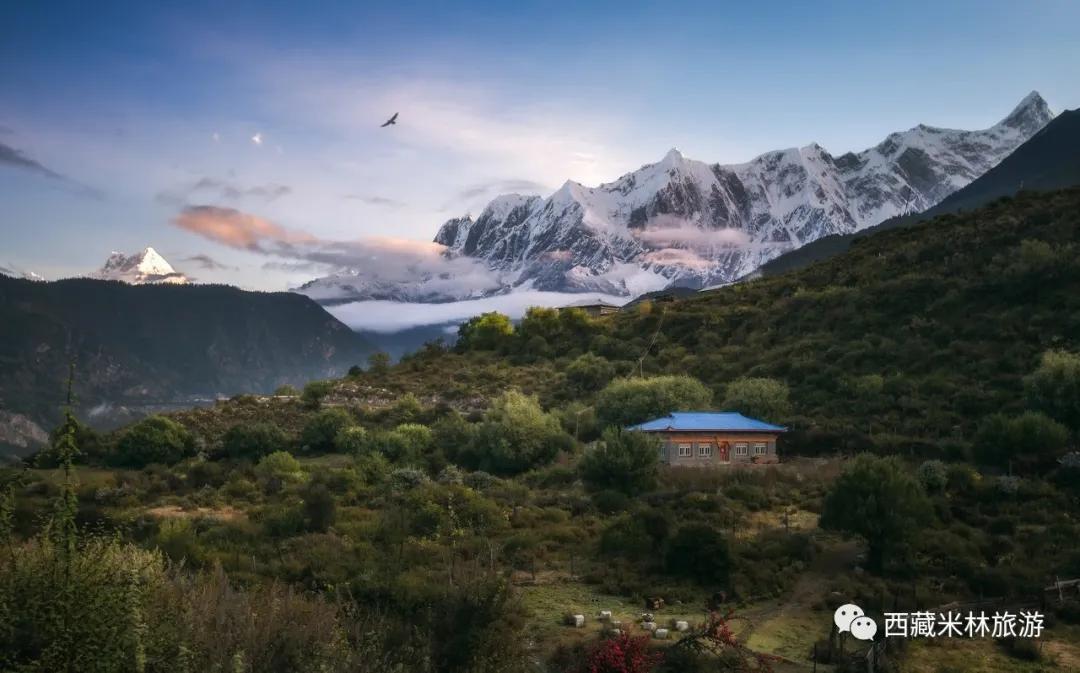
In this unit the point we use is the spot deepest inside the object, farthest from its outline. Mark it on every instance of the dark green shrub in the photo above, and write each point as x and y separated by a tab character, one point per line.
252	441
156	439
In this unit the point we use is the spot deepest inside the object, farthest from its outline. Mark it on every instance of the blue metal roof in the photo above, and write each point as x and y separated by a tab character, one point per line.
707	421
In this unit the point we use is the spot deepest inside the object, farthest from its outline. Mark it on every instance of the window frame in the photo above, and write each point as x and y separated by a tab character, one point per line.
761	448
705	450
742	448
689	450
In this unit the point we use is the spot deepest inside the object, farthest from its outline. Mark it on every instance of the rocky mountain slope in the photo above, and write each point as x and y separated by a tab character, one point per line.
159	344
681	222
1049	160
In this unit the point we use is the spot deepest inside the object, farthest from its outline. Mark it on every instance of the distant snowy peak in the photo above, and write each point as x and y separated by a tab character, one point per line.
143	267
685	222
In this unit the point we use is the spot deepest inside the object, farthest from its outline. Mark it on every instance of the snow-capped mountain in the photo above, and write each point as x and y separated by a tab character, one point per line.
14	272
689	223
143	267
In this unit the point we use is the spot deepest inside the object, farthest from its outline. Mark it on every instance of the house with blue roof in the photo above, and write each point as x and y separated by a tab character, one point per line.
711	438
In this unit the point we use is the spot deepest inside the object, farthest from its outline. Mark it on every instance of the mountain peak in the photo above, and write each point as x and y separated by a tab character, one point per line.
147	266
673	156
1031	111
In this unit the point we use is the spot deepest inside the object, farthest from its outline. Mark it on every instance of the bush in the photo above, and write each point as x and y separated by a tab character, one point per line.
253	440
315	392
701	553
1030	440
1054	387
281	466
623	460
589	373
933	475
408	443
320	510
762	398
352	440
322	429
155	439
625	402
610	502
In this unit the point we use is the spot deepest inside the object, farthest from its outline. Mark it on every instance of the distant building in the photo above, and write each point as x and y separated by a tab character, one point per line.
707	438
593	307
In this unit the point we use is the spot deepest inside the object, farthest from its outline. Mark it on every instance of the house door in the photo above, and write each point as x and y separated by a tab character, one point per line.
724	449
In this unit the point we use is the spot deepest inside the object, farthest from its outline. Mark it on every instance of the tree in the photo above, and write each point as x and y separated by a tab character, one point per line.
589	373
485	332
253	440
1028	440
623	460
315	392
379	363
1054	387
628	401
758	397
320	431
155	439
879	500
699	552
408	443
516	435
286	390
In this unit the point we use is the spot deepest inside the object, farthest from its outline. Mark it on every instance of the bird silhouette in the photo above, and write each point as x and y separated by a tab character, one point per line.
388	122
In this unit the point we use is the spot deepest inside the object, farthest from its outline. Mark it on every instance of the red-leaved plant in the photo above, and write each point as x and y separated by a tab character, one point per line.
623	654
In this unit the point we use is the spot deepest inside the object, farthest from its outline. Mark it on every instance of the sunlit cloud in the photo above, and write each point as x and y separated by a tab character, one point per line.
257	139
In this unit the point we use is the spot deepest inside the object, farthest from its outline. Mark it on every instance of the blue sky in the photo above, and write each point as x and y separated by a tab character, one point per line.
115	117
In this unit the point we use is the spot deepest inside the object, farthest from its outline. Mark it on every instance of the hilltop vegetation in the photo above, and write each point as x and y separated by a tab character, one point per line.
459	504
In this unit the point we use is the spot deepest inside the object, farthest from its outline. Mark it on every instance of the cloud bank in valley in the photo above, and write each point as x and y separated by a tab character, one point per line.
395	316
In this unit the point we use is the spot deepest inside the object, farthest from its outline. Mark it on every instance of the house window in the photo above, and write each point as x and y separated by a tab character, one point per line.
704	450
759	449
741	449
685	451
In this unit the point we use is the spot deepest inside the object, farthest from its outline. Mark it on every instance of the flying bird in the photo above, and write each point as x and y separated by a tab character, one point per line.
392	120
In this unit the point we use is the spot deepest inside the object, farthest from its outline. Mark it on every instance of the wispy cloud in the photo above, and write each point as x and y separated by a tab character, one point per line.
671	231
223	189
9	156
375	200
209	263
497	187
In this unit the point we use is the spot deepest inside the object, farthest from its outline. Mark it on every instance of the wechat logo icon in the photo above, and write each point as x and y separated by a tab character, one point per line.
851	618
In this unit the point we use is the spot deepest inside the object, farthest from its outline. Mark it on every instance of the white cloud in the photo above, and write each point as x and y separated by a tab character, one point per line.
393	316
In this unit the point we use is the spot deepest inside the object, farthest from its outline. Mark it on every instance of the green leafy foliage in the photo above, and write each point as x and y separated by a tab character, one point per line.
701	553
1054	388
322	429
757	397
589	373
252	441
488	331
516	435
628	401
623	460
156	439
879	500
1029	440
